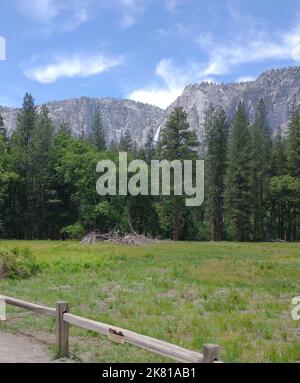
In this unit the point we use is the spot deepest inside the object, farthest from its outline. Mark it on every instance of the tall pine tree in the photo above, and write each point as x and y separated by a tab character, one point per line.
237	181
279	155
3	131
216	136
126	142
21	151
97	136
41	156
260	173
294	141
177	143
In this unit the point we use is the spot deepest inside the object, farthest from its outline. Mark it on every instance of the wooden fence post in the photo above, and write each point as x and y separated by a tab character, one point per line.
62	330
210	353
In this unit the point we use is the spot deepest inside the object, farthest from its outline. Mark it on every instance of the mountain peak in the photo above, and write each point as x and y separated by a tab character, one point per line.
277	87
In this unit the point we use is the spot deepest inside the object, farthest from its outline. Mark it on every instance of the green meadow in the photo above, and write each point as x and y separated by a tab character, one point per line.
235	295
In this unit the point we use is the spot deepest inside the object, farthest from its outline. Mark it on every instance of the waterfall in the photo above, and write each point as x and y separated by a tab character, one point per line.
157	134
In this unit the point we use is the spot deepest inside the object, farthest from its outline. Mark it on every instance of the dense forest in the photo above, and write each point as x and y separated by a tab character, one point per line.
252	179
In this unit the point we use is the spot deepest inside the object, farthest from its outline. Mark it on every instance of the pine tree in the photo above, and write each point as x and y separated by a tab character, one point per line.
97	137
64	129
285	191
294	142
22	137
3	131
126	142
41	153
237	181
141	208
216	136
149	147
7	177
260	172
279	155
177	143
114	146
26	120
21	147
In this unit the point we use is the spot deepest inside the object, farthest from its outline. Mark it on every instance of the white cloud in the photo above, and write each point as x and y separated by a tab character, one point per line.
80	17
174	80
43	10
64	15
73	66
291	40
156	96
176	30
252	44
222	58
131	11
69	14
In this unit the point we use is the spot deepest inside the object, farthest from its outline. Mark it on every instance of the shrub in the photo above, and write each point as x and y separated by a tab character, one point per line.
18	263
75	231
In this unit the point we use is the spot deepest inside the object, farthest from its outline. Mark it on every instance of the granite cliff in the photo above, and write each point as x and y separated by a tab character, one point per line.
276	87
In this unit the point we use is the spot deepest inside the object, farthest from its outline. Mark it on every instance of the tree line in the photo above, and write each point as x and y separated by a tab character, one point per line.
252	179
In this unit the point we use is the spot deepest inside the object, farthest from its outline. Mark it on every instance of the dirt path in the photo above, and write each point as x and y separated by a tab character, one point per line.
20	349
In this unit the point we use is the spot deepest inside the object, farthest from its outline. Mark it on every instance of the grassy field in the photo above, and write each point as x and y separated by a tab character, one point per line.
235	295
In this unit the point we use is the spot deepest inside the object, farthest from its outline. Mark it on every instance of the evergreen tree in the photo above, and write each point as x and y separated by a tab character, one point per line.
21	148
285	187
63	210
41	156
294	142
64	129
279	155
216	135
285	191
177	143
97	137
238	177
3	131
26	121
149	147
126	142
47	180
141	208
114	146
260	172
7	178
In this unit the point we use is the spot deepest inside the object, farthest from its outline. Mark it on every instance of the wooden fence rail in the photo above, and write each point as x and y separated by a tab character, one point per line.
64	318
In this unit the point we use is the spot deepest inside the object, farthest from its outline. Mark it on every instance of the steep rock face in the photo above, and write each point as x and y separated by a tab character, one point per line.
118	116
276	87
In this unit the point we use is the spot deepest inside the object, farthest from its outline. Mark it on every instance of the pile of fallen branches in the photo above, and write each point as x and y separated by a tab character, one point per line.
113	237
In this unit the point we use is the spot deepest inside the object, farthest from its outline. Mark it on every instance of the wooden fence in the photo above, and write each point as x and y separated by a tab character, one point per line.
64	318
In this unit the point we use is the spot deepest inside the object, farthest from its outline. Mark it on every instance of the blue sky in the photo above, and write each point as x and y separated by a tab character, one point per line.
146	50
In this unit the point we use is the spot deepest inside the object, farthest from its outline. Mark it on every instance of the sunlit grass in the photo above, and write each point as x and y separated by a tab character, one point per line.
235	295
